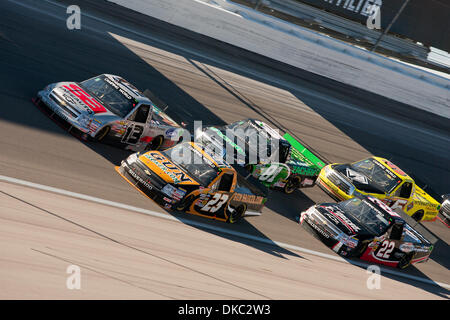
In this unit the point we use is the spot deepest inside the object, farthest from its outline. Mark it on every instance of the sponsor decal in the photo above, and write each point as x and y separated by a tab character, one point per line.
386	170
307	182
138	178
343	219
406	247
394	168
171	132
168	168
88	100
248	198
356	176
319	230
118	88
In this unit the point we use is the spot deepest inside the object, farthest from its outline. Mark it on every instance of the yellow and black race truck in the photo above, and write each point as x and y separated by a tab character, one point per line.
187	178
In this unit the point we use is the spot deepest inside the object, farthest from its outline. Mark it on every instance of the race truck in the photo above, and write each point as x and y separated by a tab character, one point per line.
366	228
284	163
108	108
187	178
381	179
445	207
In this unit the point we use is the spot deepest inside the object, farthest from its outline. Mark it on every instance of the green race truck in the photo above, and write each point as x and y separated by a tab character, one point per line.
285	163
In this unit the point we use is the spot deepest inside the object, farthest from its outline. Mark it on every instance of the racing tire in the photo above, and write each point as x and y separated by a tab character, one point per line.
360	249
405	261
292	184
156	143
248	168
237	214
102	134
418	215
184	204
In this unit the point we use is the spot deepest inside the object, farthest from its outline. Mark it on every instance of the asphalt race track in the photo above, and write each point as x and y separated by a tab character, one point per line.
199	81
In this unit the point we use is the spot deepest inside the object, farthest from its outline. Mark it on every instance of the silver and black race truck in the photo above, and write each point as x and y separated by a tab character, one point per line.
108	108
445	207
366	228
187	178
277	161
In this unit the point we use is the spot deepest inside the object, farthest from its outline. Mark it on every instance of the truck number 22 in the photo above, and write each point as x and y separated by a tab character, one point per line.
386	249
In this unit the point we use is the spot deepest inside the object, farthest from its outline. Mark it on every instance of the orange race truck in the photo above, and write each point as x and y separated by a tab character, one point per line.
189	179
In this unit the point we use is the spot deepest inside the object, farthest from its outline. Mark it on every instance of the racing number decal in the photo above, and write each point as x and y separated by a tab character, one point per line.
133	134
399	204
216	202
386	249
270	173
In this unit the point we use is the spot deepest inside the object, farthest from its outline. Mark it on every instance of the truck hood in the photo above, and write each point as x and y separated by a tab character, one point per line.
361	181
166	169
342	221
79	100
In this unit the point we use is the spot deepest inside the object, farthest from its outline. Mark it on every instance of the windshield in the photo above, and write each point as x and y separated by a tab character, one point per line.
103	89
193	162
377	174
259	144
374	220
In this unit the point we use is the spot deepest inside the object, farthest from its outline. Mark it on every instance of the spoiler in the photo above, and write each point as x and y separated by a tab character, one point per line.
427	234
302	153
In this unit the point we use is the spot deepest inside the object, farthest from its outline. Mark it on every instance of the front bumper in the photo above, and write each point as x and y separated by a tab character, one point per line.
332	189
135	175
322	229
445	209
64	117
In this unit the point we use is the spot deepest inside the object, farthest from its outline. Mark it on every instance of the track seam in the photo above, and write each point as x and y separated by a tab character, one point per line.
209	227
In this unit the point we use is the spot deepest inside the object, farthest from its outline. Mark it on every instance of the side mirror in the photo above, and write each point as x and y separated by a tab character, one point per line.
396	231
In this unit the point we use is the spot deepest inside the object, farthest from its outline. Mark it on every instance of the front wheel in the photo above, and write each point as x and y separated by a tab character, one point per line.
184	204
102	134
405	261
155	144
237	214
360	249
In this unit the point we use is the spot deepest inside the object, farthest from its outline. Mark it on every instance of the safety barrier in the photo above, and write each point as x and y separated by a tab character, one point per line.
302	48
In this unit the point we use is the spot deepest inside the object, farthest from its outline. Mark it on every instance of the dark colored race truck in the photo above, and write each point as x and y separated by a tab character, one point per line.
366	228
187	178
286	164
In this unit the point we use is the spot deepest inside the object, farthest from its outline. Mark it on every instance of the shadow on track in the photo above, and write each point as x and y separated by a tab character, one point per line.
83	55
28	67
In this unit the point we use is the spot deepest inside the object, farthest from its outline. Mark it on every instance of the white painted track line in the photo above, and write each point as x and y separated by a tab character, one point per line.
213	228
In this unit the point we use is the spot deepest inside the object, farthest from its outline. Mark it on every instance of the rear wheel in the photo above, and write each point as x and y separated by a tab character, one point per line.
184	204
405	261
418	215
292	184
237	214
102	134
